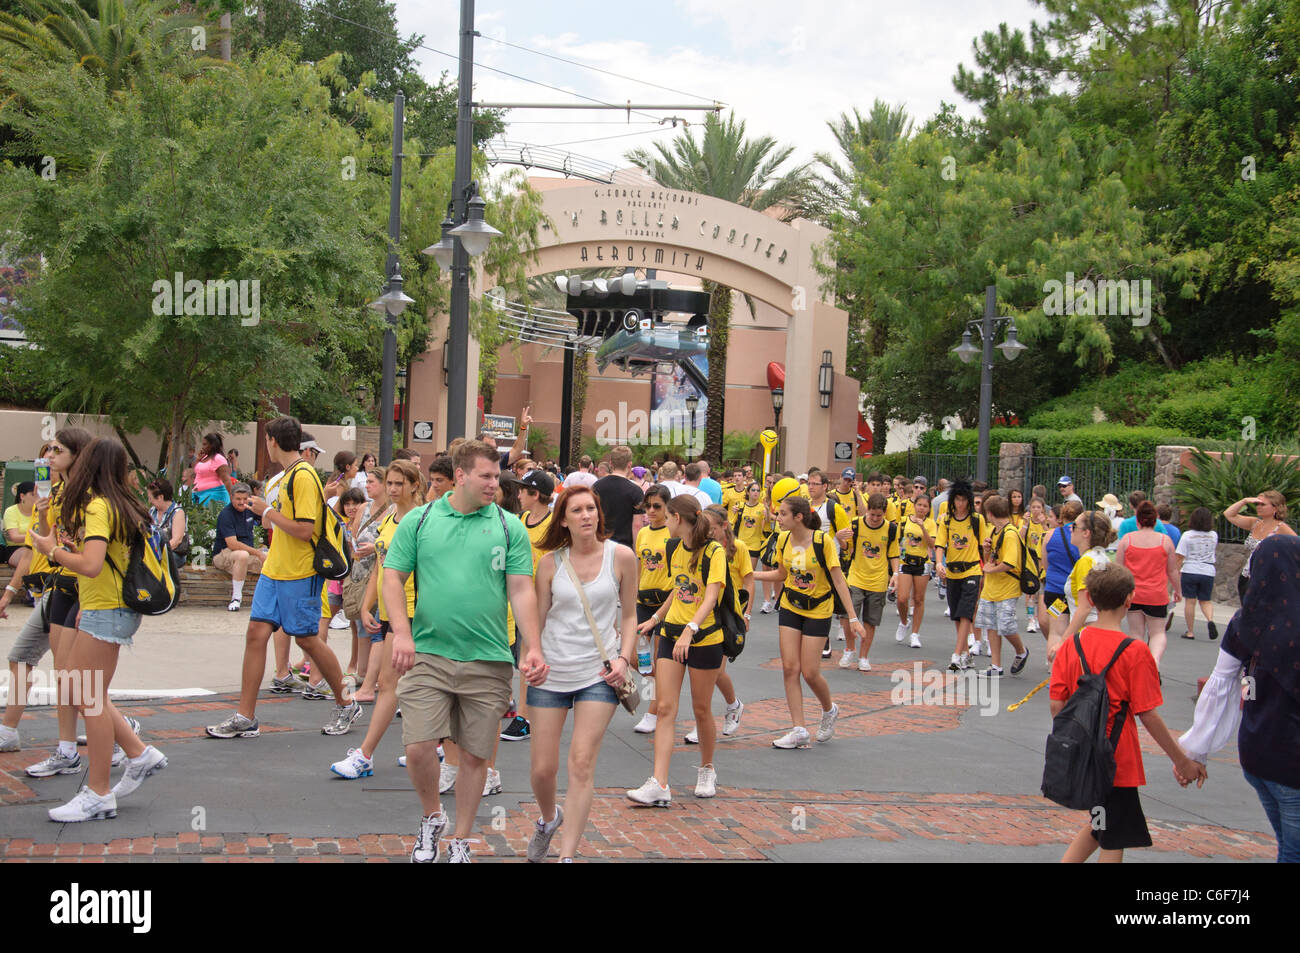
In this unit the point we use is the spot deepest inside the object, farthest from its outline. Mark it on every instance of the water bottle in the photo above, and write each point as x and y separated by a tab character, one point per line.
42	478
643	657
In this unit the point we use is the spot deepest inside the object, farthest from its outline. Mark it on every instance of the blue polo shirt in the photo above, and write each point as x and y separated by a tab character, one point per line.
461	561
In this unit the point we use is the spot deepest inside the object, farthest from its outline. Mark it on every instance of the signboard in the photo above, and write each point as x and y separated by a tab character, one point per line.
422	431
843	451
500	426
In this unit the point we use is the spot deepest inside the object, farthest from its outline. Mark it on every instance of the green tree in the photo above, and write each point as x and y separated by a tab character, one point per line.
725	164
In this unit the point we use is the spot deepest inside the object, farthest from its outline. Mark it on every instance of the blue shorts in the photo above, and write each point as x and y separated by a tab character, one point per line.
110	625
1197	587
218	494
596	692
289	604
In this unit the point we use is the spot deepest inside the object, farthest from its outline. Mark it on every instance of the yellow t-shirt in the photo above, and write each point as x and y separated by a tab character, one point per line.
105	590
961	545
871	556
650	543
753	526
53	516
384	539
740	565
893	508
1094	558
804	574
732	499
848	502
39	563
535	535
1036	536
912	543
291	558
689	586
15	520
999	586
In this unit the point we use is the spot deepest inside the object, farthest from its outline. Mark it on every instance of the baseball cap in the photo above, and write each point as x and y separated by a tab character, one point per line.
538	480
920	481
1064	480
849	474
638	472
310	445
803	478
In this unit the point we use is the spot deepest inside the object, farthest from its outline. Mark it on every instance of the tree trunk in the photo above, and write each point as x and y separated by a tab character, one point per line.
880	399
173	447
130	450
719	333
580	377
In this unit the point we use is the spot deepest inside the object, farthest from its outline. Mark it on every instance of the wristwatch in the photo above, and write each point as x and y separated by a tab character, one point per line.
693	626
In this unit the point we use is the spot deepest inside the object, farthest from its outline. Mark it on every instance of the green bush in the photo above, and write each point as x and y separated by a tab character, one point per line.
540	445
1251	468
737	446
888	463
1067	418
966	440
1104	440
1216	414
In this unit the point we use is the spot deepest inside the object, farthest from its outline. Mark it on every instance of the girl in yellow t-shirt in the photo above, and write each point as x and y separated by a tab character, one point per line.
809	567
405	492
741	569
750	524
1033	531
689	638
105	518
653	585
916	534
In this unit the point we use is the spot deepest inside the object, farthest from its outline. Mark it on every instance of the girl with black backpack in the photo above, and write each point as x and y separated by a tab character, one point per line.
105	519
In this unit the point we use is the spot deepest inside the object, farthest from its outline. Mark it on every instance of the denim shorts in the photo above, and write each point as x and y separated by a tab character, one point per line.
595	692
1002	615
289	604
1197	587
110	625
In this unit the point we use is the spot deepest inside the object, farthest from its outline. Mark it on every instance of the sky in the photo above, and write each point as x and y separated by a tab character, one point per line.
784	68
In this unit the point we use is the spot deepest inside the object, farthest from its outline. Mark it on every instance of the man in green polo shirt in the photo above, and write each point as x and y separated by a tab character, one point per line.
456	668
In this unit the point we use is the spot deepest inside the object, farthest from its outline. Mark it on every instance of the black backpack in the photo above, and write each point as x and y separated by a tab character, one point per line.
727	611
332	549
1079	769
1029	576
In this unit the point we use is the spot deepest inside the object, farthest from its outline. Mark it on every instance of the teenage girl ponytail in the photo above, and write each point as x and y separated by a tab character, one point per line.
802	509
688	510
721	519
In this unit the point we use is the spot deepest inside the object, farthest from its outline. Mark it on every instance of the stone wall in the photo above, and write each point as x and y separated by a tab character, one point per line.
1229	558
1169	463
1013	466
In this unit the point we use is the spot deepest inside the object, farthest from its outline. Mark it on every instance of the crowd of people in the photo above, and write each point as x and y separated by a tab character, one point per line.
582	582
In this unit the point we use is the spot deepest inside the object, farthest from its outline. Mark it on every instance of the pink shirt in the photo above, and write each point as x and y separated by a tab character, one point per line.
1150	568
205	473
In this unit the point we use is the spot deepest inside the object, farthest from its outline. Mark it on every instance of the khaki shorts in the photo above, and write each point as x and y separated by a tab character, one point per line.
463	701
225	561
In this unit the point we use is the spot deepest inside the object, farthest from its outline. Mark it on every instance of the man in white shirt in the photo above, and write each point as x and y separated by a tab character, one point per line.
581	476
668	474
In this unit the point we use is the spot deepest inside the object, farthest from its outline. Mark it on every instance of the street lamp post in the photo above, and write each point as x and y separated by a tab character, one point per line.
778	401
692	405
1010	348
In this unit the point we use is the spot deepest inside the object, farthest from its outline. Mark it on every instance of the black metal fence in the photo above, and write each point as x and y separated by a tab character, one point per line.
1093	477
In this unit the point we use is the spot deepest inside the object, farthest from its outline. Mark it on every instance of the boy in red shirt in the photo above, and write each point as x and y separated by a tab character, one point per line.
1118	823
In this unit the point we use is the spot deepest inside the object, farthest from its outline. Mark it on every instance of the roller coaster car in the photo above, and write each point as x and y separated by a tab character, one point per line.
638	351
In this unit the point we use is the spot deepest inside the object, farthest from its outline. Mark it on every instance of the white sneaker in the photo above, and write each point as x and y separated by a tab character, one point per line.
965	661
9	739
985	649
651	794
150	762
947	613
864	665
795	738
234	606
492	783
1032	625
848	659
731	719
693	736
706	781
839	635
86	806
972	647
901	632
118	756
447	777
826	730
767	607
646	726
458	850
425	850
916	640
340	620
355	765
401	763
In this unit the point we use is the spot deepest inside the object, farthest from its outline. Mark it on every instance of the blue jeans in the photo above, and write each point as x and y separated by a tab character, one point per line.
1282	805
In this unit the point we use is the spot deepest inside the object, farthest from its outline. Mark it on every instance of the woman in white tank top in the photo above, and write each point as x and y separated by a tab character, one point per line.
578	677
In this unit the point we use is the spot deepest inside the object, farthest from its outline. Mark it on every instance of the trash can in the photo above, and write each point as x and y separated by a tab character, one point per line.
16	471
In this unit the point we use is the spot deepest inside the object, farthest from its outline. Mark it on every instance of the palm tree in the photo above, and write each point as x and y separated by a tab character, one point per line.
111	45
726	165
865	144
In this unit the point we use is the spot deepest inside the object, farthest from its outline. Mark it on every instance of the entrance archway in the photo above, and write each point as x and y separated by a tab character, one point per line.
696	236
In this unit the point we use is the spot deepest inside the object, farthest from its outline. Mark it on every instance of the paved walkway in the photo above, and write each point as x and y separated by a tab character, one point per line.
899	782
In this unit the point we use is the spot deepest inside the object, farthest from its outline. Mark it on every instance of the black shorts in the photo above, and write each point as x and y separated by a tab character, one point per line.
753	556
1120	823
1051	597
963	597
700	656
809	628
1154	612
63	608
643	613
912	569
